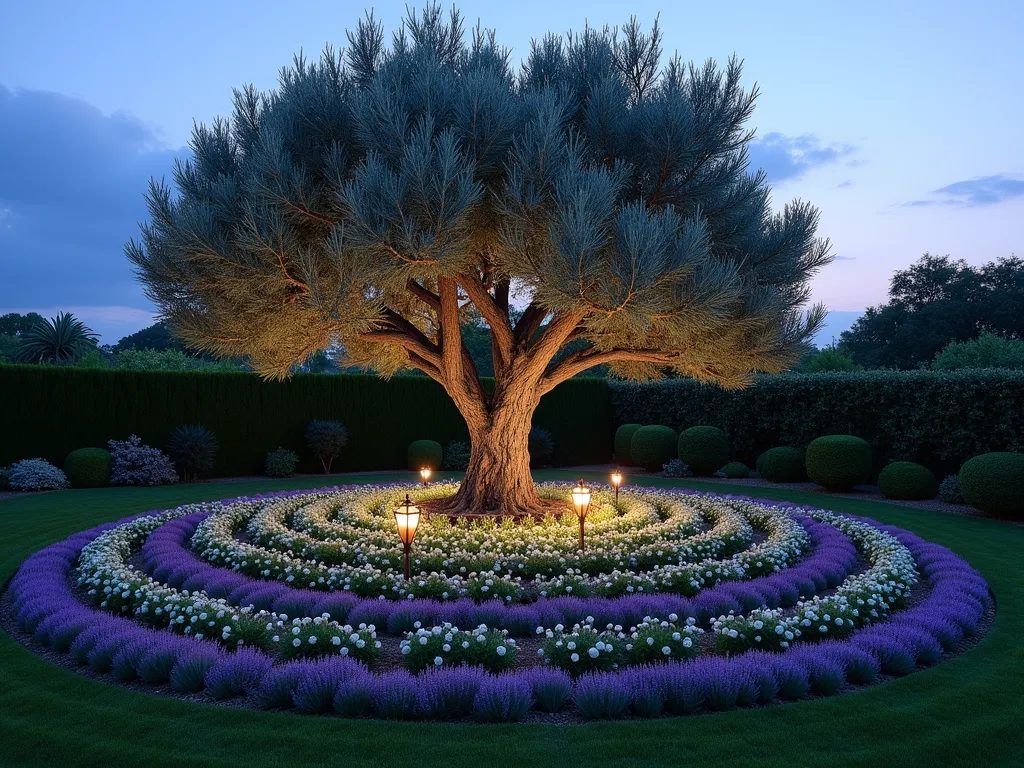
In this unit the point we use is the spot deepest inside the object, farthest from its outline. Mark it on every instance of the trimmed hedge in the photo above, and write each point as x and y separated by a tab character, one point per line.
424	453
654	445
623	439
704	449
88	468
994	483
53	410
735	469
936	418
782	465
838	462
907	480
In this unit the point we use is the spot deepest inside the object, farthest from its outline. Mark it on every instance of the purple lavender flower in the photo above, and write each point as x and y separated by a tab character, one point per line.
551	687
503	698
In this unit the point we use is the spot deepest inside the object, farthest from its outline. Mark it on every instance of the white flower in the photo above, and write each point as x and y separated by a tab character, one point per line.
438	661
593	653
574	657
501	650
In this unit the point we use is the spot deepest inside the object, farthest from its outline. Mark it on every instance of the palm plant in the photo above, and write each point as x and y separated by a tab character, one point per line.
58	340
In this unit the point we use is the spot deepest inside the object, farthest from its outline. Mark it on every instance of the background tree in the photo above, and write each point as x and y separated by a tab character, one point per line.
12	326
157	336
378	193
828	359
986	351
59	340
935	301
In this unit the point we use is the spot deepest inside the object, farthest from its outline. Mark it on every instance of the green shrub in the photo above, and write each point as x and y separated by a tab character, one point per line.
541	447
193	449
623	441
994	483
949	490
986	351
704	449
914	415
735	469
424	453
326	439
456	456
652	446
88	468
907	480
5	474
281	463
839	462
782	465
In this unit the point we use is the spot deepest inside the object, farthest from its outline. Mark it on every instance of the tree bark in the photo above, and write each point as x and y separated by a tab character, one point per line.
498	479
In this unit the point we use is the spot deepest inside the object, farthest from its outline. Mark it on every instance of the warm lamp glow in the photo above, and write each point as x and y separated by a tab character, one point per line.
617	479
407	518
425	475
581	503
581	499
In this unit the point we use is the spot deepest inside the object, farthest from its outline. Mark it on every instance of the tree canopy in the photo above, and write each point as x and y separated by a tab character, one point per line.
384	193
935	301
372	184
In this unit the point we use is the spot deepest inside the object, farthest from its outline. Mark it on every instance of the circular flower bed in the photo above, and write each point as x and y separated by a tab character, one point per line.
682	602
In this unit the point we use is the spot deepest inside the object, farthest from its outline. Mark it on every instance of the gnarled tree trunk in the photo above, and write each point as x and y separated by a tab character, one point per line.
498	478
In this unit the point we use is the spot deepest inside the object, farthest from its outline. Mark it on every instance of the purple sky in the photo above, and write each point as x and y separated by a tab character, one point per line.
901	124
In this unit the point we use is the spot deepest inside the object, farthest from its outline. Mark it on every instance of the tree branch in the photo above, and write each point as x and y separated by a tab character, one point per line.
461	379
552	338
528	324
496	317
425	295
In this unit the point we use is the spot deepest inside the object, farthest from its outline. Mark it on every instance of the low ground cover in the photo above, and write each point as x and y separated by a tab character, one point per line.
937	701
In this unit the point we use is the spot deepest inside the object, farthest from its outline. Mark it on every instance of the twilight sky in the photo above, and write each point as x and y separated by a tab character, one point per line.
900	121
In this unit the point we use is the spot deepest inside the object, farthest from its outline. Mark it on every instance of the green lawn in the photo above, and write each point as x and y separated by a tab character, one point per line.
968	711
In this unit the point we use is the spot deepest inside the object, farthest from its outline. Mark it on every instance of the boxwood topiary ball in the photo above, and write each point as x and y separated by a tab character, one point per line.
88	468
994	483
735	469
839	462
907	480
704	449
782	465
424	453
652	446
623	441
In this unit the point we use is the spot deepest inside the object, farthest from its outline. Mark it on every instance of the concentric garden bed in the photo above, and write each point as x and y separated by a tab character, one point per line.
683	603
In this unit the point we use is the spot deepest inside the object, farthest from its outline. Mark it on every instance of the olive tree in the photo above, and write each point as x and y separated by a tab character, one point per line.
594	206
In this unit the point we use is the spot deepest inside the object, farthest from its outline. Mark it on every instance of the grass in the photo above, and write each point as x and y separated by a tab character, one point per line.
966	711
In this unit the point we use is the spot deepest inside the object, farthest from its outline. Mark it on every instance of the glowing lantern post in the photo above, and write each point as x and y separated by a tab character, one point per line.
617	479
425	475
581	503
407	518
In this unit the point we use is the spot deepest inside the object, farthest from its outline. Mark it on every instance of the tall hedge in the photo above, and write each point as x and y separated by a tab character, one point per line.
936	418
50	411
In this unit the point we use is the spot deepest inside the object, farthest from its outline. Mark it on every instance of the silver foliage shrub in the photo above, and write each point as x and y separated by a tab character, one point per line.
135	463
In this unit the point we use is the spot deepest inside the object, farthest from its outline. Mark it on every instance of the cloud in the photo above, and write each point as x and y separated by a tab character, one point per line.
844	258
71	184
972	193
786	158
844	184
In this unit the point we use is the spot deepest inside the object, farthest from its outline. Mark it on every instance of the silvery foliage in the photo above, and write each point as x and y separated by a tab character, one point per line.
36	475
597	179
132	462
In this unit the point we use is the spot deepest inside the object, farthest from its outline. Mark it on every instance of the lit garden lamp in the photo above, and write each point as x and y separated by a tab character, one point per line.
617	479
581	503
407	518
425	475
